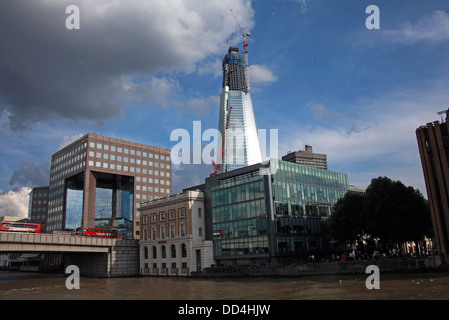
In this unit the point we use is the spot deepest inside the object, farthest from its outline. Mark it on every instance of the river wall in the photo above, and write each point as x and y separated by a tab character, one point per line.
341	267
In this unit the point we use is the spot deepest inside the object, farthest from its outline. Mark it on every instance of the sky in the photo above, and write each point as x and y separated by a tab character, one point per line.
138	70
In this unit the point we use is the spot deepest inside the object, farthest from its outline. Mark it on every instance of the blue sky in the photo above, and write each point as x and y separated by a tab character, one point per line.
138	70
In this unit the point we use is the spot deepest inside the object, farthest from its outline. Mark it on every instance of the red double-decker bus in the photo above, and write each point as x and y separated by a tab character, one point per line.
20	227
100	232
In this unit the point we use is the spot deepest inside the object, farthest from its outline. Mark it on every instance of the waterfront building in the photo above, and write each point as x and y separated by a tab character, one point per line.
433	144
242	146
38	205
99	181
173	240
307	158
271	213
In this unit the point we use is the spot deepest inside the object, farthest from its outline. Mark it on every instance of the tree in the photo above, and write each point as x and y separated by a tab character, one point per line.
348	222
395	212
389	211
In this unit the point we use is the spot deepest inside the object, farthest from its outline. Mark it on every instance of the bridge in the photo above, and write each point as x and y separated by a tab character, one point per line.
94	256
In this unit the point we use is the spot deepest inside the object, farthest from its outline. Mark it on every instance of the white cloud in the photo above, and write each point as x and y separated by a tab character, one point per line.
201	105
260	74
66	140
433	28
320	111
377	140
15	202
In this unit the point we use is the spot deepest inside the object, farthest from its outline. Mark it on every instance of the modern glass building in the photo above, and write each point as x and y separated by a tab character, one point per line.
277	214
242	147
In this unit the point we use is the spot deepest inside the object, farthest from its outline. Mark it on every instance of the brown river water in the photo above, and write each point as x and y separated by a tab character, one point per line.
420	286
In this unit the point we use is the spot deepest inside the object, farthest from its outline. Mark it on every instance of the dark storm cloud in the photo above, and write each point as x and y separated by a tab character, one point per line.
30	174
50	72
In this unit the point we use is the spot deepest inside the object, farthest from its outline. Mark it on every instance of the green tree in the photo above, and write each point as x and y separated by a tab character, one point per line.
389	211
396	213
348	221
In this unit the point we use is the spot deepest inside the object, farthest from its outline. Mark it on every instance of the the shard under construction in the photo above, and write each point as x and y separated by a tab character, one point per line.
241	146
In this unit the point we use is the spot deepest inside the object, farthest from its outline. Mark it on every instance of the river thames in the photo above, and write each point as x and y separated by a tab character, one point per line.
416	286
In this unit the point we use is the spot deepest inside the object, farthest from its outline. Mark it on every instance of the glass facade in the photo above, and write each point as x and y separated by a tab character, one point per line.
74	202
239	212
283	215
242	146
114	203
74	209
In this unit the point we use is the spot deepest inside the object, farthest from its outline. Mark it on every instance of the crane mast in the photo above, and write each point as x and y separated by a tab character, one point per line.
218	166
245	47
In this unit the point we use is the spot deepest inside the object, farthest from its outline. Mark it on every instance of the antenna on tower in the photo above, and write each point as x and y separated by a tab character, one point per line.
245	33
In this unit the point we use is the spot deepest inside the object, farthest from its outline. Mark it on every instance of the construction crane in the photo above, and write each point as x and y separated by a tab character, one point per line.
245	47
218	166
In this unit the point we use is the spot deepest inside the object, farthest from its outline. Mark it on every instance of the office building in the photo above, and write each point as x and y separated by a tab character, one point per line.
307	158
173	236
273	213
433	144
100	181
38	205
242	146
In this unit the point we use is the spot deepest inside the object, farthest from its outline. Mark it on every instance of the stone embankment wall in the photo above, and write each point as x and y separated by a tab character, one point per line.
386	265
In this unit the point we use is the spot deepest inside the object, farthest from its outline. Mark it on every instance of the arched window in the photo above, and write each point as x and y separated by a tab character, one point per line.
154	252
145	253
183	250
173	251
164	254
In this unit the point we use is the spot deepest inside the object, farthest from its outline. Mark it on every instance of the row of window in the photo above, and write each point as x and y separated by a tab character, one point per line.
171	214
112	157
70	154
163	232
128	151
163	252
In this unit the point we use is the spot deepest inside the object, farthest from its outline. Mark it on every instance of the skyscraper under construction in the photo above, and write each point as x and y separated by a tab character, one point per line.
242	146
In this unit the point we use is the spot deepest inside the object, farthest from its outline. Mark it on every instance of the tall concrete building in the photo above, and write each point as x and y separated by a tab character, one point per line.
242	146
433	143
307	158
98	181
38	205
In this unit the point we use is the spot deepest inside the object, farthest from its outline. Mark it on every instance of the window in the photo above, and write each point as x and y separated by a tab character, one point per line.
162	232
172	214
172	231
154	252
182	229
173	251
199	213
153	234
182	213
200	232
162	216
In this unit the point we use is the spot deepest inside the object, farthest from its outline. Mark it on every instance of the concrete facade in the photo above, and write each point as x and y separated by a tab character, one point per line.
173	239
433	144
